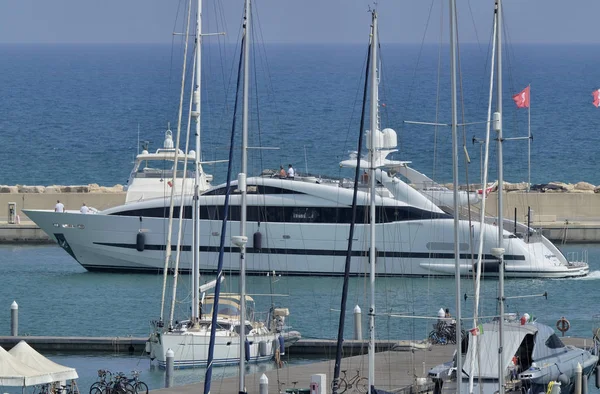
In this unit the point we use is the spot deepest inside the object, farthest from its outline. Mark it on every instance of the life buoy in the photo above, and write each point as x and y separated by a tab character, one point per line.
563	325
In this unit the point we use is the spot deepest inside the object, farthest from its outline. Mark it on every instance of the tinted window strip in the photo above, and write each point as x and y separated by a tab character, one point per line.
275	214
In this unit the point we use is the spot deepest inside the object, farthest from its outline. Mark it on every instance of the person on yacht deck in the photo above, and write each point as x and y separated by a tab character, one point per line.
282	173
59	207
290	172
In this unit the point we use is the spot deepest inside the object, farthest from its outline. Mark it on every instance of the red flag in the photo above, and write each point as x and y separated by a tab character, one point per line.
596	94
522	99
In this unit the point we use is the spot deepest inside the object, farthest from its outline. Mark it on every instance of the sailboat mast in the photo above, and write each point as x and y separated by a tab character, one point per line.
374	44
498	124
453	39
196	212
242	188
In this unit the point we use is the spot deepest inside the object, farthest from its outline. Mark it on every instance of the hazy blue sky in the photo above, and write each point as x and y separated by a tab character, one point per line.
295	21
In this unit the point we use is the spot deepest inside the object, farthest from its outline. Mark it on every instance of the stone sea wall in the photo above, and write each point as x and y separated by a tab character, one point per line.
45	197
91	188
550	187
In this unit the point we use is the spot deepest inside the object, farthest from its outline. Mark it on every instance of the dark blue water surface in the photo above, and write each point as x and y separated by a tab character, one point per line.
69	114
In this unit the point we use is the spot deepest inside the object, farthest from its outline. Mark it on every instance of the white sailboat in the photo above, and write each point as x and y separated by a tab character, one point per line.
237	336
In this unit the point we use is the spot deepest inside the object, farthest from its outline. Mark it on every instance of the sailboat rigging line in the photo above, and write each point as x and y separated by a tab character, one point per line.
372	218
340	338
244	203
453	65
499	127
464	142
181	210
177	140
484	180
213	326
437	94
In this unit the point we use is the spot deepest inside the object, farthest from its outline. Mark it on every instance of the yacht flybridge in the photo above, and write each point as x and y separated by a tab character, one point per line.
152	174
299	226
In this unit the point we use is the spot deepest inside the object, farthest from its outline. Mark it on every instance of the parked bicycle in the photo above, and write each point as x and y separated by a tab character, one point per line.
103	382
118	383
139	387
444	333
358	382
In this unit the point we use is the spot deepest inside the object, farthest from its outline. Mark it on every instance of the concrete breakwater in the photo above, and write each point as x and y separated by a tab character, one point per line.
45	197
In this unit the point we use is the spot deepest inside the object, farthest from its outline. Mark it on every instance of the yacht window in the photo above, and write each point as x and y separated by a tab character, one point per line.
554	342
308	215
224	326
161	169
251	189
333	215
158	212
228	310
283	214
248	329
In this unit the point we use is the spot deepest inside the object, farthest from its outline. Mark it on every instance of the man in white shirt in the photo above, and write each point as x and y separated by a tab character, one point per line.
59	207
290	172
84	209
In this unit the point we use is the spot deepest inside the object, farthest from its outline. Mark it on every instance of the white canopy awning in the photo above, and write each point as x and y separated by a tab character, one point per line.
15	373
487	348
29	356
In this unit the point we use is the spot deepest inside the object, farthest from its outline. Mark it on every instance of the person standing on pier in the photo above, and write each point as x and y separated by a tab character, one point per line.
59	207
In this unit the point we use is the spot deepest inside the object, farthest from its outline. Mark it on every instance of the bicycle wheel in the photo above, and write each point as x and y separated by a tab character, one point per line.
140	388
362	385
96	390
96	385
342	386
129	389
433	337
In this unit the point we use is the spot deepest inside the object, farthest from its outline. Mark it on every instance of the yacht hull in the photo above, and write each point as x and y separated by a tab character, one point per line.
101	242
191	349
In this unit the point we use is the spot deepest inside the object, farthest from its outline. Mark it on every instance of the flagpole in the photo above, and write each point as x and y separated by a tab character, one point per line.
529	142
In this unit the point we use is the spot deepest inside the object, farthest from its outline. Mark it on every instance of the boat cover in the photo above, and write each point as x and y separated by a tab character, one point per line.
487	343
29	356
15	373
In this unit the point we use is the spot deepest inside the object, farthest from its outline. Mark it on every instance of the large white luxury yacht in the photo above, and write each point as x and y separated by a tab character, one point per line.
300	227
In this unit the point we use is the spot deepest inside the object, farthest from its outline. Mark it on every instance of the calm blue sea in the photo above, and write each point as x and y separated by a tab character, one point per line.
70	114
58	297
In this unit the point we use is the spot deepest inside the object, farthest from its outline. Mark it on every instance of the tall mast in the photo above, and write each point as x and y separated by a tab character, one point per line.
498	125
196	212
242	188
453	39
374	44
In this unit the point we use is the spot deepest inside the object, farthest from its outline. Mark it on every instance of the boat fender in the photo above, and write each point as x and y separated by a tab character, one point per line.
563	325
262	348
598	377
140	241
257	241
247	350
281	345
564	379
